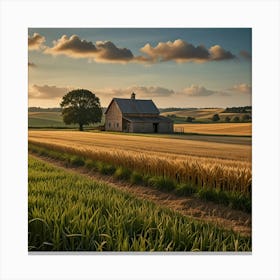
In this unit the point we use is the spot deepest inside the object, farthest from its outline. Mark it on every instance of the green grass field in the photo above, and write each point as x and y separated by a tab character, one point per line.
45	119
69	212
50	120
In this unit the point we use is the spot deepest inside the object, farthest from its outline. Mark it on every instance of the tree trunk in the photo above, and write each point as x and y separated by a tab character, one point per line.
81	127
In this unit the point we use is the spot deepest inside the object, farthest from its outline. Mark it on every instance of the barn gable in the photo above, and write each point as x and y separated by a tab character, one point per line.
135	106
136	115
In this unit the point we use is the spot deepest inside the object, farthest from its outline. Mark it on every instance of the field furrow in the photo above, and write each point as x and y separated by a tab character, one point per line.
68	212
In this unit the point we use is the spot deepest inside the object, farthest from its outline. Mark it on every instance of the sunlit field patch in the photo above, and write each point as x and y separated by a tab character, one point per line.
218	128
207	165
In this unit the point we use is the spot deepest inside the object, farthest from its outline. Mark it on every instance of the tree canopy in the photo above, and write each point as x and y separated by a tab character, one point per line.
246	118
190	119
227	119
215	118
236	119
81	107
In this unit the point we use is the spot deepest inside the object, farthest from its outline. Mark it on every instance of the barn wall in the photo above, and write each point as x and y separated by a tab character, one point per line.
113	118
165	127
142	127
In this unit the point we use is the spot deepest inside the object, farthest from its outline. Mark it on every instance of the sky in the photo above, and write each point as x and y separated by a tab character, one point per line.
175	67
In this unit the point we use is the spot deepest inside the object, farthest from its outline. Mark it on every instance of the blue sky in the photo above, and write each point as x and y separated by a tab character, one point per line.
176	67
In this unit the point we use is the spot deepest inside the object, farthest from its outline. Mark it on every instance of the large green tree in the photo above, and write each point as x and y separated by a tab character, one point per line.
81	107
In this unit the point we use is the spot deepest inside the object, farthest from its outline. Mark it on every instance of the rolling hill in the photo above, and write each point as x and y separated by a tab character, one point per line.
201	115
48	120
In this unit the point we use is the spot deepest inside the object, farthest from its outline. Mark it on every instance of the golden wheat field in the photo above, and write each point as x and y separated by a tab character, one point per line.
197	113
218	128
215	165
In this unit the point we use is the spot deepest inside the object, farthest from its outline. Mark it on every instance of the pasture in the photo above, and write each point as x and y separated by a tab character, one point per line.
45	119
50	120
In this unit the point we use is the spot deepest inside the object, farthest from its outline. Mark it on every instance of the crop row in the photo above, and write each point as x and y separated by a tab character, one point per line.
68	212
197	172
158	146
235	200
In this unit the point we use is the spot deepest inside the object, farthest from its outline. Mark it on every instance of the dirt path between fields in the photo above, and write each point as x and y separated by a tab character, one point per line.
192	207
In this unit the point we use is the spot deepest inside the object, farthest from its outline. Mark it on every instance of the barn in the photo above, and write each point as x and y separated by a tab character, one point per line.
136	115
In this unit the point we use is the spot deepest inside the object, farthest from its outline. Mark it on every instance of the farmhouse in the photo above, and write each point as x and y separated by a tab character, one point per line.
136	115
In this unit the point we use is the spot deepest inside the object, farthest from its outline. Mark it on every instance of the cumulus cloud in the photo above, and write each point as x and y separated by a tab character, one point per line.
141	92
152	91
36	42
182	51
197	91
73	46
107	51
47	92
218	53
241	88
246	55
200	91
53	92
178	50
102	51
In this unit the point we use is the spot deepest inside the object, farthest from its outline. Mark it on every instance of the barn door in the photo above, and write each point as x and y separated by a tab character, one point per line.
155	127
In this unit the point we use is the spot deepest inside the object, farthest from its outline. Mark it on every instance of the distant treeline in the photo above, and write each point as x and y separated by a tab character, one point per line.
245	109
39	109
171	109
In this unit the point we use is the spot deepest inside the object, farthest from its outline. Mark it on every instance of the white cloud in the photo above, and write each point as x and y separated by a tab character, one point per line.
47	92
140	91
107	52
36	42
241	88
182	51
197	91
102	51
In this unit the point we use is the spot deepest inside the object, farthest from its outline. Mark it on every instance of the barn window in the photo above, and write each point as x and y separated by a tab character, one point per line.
109	124
117	124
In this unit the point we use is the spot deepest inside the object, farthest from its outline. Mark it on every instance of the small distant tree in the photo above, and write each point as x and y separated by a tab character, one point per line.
227	119
216	118
246	118
190	119
81	107
236	119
